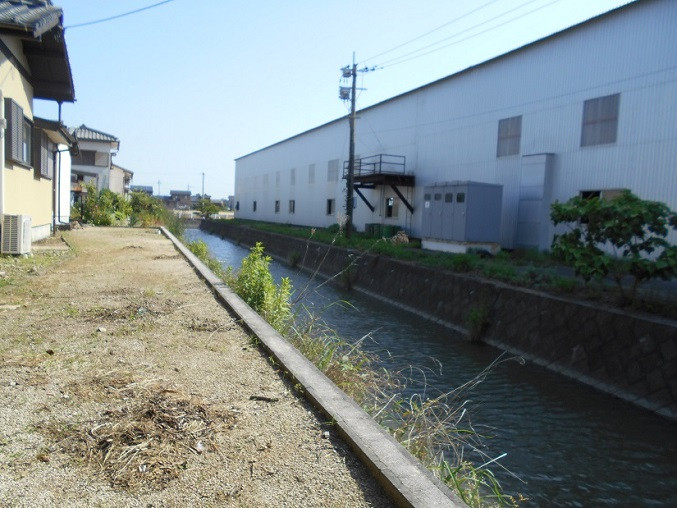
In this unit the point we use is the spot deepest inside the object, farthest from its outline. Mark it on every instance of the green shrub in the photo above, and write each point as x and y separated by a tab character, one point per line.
255	285
633	229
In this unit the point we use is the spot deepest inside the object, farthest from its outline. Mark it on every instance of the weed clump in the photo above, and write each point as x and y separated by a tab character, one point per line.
436	430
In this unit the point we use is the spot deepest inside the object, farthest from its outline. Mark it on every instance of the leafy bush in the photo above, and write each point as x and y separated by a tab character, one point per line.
633	229
147	211
104	207
255	285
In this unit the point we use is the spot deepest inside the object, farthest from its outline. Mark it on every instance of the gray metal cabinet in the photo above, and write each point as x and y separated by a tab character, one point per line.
463	211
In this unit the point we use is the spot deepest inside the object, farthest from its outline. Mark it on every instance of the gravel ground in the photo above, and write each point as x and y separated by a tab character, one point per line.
124	383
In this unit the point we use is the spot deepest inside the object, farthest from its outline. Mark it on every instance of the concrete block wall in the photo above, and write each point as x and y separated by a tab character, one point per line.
629	355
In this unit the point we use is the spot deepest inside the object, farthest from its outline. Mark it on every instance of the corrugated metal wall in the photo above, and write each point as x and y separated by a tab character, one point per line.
448	130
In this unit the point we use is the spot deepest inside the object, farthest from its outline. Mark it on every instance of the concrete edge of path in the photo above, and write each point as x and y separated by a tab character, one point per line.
402	476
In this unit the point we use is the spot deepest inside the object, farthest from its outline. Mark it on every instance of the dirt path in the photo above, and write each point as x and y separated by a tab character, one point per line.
124	383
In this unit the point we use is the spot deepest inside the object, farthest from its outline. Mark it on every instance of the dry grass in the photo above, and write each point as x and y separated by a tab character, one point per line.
147	434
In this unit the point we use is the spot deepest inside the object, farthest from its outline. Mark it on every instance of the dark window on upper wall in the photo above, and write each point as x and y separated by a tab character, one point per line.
600	120
277	206
292	206
85	158
330	206
449	197
509	136
254	206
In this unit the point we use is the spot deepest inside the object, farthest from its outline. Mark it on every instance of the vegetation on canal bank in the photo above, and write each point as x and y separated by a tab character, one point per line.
528	268
106	208
436	430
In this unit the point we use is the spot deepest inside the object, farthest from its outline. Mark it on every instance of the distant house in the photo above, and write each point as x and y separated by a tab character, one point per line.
179	200
146	189
93	164
33	64
120	180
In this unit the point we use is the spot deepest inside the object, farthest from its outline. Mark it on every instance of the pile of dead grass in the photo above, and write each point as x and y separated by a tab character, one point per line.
147	438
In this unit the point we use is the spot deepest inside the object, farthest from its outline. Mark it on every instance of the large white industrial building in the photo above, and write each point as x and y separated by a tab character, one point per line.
591	109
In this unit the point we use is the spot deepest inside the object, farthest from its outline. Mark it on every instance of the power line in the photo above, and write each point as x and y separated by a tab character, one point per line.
403	58
430	31
119	15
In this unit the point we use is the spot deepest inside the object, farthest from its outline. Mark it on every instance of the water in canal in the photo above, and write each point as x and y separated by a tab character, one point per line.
568	444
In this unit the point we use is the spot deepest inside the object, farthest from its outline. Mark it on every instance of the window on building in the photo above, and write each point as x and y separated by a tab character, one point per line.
277	206
292	206
460	197
237	206
84	158
426	197
392	207
437	196
332	170
331	203
42	158
18	137
292	176
600	120
509	136
254	207
311	173
449	197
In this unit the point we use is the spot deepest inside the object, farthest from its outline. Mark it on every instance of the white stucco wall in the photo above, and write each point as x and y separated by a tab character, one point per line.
448	130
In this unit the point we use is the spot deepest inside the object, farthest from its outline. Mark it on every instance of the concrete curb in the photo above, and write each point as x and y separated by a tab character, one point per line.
403	477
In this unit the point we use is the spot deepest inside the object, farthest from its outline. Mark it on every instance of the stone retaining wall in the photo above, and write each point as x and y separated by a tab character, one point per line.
630	356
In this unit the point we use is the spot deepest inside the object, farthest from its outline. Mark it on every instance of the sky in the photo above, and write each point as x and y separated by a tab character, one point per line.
190	85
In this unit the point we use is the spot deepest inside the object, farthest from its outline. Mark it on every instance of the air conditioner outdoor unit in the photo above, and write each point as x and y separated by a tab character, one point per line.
16	234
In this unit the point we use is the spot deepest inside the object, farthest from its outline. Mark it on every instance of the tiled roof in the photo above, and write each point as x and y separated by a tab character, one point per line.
34	16
85	133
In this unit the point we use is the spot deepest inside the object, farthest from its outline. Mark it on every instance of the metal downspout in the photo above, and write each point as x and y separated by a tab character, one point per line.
3	124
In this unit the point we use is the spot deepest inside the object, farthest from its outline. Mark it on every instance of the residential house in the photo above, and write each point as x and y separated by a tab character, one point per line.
179	200
585	111
93	164
120	180
34	65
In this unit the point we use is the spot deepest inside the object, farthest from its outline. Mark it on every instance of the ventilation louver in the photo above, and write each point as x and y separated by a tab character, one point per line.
16	234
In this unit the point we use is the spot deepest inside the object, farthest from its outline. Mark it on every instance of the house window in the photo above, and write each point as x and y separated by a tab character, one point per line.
42	156
292	176
85	158
437	196
254	207
18	138
26	144
311	173
277	206
449	197
509	136
292	206
460	197
391	207
600	120
332	170
330	206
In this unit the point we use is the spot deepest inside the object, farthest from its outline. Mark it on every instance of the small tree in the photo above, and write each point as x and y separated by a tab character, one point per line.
207	208
633	229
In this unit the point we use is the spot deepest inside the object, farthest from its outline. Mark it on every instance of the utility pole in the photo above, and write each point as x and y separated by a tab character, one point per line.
350	72
203	185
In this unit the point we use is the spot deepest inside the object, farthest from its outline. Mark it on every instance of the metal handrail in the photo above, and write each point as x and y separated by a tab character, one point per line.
377	164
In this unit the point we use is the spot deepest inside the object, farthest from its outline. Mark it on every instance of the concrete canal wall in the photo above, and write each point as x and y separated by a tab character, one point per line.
631	356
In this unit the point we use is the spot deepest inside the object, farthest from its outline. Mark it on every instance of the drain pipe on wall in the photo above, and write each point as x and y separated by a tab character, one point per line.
3	125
